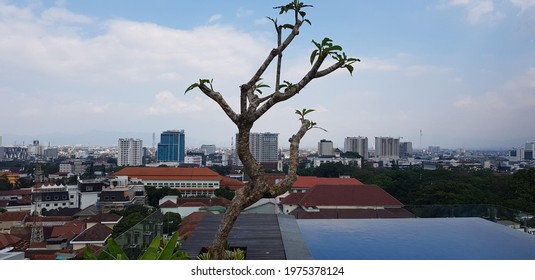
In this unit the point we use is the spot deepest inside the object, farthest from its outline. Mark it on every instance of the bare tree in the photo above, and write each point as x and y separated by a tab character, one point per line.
253	106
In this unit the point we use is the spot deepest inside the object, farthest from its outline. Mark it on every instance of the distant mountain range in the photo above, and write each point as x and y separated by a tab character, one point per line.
93	138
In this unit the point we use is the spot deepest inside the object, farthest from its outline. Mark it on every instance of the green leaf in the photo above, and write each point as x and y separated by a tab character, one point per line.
152	251
88	255
307	21
350	69
115	250
169	248
313	56
288	26
317	45
334	48
326	41
192	86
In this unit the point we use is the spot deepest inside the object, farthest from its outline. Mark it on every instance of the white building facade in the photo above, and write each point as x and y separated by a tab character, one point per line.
358	145
386	148
130	152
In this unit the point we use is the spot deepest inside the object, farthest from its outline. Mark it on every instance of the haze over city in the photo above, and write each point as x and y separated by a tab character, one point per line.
88	72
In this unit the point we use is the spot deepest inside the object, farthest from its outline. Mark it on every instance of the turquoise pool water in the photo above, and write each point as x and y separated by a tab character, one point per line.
415	239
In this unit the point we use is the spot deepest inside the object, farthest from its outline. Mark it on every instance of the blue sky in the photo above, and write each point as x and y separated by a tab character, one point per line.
462	71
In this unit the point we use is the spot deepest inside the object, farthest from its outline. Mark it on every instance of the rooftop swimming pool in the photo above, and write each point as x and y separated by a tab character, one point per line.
415	239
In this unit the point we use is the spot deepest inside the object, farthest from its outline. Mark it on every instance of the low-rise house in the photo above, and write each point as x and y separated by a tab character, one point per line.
8	220
96	235
190	181
107	219
304	183
16	200
344	202
51	197
121	193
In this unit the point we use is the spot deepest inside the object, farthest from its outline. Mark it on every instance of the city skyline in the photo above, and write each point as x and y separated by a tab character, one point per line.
460	71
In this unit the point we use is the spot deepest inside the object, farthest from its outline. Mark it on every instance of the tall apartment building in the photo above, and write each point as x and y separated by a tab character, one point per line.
387	148
263	146
130	152
325	148
405	149
529	151
172	146
358	145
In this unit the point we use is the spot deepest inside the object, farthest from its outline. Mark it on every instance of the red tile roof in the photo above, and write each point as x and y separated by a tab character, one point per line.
168	204
311	181
343	195
31	219
14	216
96	233
168	173
7	240
231	183
105	218
16	192
180	173
69	230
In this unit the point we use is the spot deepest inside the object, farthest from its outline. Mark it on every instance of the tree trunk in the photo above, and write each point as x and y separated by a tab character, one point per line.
244	197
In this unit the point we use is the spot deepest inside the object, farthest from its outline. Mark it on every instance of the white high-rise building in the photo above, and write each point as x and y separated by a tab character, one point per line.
263	146
387	148
358	145
325	148
130	152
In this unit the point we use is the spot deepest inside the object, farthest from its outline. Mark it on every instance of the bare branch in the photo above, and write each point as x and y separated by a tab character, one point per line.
218	98
275	52
330	69
294	157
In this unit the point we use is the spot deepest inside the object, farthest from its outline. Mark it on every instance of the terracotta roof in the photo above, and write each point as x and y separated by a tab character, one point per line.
31	219
105	218
69	230
168	204
7	240
14	216
96	233
231	183
168	173
311	181
193	204
16	192
344	195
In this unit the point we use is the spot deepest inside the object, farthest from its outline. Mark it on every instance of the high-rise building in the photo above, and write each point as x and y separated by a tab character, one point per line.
325	148
529	151
208	149
263	146
358	145
387	148
130	152
172	146
405	149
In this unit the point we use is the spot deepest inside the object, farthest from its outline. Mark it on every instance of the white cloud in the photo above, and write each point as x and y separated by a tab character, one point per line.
242	12
166	103
478	10
524	4
62	15
215	18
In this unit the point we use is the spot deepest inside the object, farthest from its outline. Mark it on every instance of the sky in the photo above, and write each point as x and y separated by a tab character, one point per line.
448	73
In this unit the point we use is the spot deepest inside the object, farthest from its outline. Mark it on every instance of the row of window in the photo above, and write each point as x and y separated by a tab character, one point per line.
184	185
56	197
39	206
